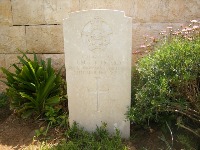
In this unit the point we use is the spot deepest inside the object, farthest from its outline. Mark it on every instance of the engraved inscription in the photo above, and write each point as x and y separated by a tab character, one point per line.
98	91
98	65
96	34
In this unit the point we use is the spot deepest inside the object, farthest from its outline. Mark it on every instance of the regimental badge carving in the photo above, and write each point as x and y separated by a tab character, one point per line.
96	35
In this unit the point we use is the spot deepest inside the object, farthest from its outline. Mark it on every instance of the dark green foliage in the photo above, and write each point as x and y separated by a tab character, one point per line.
135	78
78	139
56	116
3	100
33	87
188	142
169	83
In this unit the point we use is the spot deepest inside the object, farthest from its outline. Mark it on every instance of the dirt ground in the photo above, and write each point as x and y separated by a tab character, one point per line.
15	133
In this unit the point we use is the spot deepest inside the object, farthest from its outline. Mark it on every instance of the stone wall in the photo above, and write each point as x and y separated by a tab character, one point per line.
36	25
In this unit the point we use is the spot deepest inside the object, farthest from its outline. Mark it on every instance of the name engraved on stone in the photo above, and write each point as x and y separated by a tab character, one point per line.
96	34
97	66
98	91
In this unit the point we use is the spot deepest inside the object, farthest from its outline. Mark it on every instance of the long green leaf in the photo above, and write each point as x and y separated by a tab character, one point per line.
39	72
28	65
34	73
17	69
24	55
30	68
24	95
53	100
49	68
29	84
5	82
35	57
25	74
24	62
44	92
9	75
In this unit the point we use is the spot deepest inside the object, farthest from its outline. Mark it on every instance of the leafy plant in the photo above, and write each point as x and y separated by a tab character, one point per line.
78	138
55	116
33	87
41	131
169	82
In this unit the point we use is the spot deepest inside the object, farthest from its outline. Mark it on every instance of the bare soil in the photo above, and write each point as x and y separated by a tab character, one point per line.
15	133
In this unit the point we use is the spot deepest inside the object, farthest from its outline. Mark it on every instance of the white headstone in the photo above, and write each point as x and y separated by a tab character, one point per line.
98	45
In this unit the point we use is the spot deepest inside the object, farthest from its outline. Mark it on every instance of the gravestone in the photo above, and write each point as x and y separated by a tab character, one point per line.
98	68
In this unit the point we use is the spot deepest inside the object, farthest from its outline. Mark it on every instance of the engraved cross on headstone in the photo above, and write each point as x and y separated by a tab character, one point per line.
98	91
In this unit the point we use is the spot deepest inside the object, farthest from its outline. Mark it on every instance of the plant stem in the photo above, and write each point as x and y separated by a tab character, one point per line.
171	135
181	125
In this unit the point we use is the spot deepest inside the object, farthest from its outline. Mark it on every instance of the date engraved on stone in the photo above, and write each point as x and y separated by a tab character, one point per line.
96	34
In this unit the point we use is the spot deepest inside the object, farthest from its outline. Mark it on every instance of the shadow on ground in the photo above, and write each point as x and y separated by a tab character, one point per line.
15	132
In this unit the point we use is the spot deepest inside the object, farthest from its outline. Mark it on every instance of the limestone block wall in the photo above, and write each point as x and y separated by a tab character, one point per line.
36	25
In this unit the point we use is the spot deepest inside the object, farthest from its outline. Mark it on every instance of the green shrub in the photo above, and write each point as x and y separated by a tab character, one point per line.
135	78
34	87
170	83
78	139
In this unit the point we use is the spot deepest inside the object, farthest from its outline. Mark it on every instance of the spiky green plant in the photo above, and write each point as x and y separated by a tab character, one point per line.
33	86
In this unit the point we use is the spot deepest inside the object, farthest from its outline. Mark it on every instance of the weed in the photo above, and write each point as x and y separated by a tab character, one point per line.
78	138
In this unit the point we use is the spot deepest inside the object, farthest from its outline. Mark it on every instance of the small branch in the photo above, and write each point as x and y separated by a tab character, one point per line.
194	111
188	129
171	135
186	113
183	113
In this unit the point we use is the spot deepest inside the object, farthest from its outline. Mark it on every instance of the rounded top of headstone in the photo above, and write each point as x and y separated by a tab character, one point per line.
97	11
